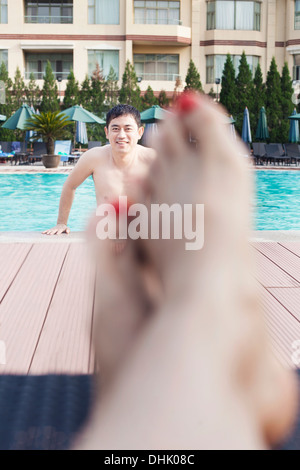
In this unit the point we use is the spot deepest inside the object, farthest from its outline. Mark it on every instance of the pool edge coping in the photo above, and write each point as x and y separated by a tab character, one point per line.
78	237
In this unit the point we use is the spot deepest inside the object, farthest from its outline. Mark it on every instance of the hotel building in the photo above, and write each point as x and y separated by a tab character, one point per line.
158	36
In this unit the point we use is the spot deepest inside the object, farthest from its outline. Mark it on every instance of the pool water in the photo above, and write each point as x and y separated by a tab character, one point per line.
29	202
277	200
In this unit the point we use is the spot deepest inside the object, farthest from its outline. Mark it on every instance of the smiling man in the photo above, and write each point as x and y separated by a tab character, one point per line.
113	167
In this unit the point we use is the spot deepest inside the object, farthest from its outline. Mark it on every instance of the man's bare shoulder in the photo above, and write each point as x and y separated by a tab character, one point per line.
146	154
95	157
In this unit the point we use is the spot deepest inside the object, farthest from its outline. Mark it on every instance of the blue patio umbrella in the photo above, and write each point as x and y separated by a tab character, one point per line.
154	114
19	119
246	131
294	129
81	133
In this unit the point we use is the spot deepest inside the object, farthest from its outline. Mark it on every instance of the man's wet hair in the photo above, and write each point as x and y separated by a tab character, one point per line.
123	110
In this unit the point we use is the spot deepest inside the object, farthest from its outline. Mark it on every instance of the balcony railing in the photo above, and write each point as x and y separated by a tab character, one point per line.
40	75
168	21
48	19
170	77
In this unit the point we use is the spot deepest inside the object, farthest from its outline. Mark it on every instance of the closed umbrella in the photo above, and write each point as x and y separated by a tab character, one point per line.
30	134
151	130
81	133
154	114
294	129
262	132
232	128
246	131
19	118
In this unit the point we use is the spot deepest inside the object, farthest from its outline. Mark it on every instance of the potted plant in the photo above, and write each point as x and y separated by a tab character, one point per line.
49	126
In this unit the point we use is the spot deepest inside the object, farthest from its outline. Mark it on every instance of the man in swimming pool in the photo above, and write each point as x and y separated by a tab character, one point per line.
113	167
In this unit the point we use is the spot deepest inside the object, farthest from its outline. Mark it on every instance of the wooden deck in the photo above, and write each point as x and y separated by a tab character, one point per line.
47	304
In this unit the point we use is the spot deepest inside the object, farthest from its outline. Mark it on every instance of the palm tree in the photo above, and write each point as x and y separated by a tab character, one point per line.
49	126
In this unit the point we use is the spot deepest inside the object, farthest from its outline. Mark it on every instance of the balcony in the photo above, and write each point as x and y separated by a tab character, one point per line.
38	19
40	75
159	34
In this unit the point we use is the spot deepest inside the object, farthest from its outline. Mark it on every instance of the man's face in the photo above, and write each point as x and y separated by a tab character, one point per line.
123	134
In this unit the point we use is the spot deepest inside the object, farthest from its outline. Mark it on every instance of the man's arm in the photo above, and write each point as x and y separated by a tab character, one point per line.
82	170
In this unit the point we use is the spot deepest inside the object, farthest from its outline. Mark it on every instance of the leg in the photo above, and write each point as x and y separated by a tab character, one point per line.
192	370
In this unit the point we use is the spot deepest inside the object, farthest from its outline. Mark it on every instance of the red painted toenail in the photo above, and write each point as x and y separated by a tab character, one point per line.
187	102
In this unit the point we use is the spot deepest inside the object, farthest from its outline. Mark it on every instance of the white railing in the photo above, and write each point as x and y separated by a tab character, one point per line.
171	77
40	75
48	19
168	21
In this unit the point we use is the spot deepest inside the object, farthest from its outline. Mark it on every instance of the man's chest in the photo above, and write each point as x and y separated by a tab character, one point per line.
111	184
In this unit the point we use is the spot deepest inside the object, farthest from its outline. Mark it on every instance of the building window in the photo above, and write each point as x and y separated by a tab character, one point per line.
3	11
36	63
296	68
215	65
233	14
156	66
105	59
104	12
155	12
49	11
4	57
297	14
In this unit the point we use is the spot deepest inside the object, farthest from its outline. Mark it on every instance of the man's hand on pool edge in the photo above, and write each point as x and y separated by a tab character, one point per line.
57	230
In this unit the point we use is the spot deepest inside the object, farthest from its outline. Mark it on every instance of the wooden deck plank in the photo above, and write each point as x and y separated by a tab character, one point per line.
292	246
12	256
64	344
283	329
47	312
290	298
285	259
269	274
24	307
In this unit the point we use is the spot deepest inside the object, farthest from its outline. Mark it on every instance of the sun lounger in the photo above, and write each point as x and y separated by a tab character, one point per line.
293	152
39	149
5	152
93	144
63	148
5	146
259	152
275	153
55	408
20	154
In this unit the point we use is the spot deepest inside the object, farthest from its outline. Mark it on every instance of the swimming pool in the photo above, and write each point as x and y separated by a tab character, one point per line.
29	202
277	200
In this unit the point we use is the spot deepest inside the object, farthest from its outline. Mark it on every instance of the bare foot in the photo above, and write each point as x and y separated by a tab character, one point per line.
180	335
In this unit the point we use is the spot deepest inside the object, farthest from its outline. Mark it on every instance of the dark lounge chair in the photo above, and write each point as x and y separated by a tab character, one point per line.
293	152
39	149
93	144
19	149
259	152
5	147
275	153
5	151
48	412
